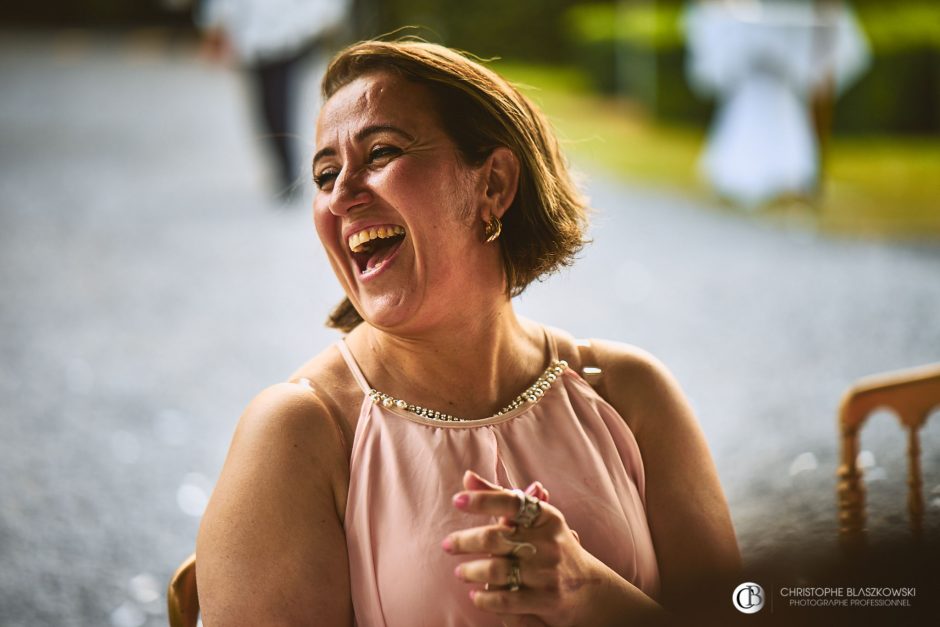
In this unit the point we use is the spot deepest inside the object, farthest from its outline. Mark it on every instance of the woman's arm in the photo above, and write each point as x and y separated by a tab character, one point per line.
687	511
271	547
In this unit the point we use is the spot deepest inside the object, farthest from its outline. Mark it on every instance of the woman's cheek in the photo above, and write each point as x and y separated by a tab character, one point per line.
382	180
324	221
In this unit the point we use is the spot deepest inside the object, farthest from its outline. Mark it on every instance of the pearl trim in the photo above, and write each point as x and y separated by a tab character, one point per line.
531	395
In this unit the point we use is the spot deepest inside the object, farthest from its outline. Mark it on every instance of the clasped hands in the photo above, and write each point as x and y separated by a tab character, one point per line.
536	575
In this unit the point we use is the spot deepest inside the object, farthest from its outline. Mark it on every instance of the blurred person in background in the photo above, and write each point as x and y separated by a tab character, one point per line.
447	462
767	63
271	39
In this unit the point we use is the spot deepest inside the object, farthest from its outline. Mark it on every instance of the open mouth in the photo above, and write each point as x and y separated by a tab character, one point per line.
373	247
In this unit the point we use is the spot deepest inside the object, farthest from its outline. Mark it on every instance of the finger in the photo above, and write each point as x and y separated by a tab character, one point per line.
492	570
576	536
537	490
508	602
487	502
505	506
473	481
500	504
492	540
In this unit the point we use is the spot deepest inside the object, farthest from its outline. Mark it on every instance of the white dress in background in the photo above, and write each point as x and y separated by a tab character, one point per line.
763	61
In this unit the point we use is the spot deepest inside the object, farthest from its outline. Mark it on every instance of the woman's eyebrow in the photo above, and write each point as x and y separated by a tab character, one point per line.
382	128
363	134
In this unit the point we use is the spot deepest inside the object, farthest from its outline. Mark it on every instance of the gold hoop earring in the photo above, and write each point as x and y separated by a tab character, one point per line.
492	228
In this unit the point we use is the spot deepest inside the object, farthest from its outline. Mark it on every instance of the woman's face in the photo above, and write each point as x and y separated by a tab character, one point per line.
397	209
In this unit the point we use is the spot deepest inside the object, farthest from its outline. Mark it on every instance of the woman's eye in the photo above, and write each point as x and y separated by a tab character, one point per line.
324	178
380	153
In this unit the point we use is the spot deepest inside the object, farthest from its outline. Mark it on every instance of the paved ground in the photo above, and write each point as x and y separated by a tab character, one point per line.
149	288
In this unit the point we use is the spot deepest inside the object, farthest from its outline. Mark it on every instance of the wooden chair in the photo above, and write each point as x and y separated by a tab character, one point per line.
911	395
181	598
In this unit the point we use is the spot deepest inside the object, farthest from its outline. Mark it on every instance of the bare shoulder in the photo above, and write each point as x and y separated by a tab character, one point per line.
273	525
634	382
287	418
328	376
643	390
627	363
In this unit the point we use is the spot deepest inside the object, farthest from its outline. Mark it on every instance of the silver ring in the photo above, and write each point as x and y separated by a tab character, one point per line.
529	508
523	549
515	576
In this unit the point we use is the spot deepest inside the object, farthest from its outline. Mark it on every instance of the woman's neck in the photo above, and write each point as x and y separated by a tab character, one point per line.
467	366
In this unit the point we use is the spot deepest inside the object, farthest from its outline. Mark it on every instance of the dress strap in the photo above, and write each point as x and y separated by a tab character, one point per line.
589	370
550	343
353	366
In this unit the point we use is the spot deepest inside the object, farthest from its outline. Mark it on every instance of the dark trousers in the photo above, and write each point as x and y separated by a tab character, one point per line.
275	87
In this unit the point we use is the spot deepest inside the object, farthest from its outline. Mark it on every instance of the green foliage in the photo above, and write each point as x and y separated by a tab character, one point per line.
646	24
536	79
637	50
891	26
517	29
900	93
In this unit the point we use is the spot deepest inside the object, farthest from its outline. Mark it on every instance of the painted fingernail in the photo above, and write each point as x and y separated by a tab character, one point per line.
448	545
473	594
457	573
461	500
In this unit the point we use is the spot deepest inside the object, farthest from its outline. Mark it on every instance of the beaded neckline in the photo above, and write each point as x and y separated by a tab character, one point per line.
531	395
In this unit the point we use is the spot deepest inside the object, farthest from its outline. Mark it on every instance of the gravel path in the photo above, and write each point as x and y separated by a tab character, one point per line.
150	288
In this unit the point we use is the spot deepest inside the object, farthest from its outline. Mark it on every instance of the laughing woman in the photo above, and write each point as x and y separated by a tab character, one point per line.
447	462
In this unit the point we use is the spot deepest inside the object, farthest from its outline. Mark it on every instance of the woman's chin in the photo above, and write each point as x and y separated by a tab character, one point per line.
385	312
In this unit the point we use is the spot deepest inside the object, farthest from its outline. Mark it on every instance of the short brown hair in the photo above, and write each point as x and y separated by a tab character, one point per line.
543	229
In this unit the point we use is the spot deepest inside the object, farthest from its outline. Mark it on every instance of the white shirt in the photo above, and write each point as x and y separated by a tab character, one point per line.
263	30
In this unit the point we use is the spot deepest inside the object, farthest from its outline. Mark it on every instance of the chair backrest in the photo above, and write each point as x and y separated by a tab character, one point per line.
181	598
911	395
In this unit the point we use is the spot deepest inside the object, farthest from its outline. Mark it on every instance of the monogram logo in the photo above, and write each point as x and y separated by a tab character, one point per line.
748	598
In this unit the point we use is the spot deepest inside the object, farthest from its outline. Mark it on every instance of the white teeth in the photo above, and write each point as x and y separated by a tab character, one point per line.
357	240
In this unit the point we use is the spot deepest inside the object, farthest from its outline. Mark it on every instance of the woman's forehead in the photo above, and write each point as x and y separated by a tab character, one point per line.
380	97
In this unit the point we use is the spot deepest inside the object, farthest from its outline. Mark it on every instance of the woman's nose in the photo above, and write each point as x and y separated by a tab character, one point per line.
349	192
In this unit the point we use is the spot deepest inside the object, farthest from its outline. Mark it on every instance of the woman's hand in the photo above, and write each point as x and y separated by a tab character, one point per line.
559	582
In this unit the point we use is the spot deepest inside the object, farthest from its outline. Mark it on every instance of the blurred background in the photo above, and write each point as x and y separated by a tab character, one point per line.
767	185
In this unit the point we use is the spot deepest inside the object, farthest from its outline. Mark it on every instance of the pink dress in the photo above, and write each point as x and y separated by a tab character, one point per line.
405	468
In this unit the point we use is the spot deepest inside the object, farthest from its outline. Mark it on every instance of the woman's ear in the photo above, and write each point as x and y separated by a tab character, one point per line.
501	180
